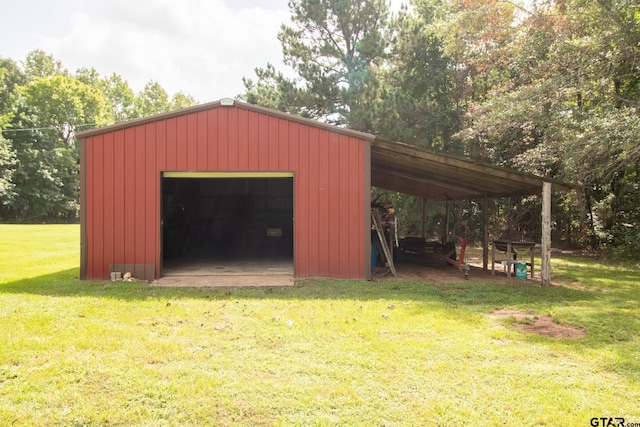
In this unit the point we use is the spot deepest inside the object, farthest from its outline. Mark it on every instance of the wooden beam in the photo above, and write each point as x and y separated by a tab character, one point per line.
440	183
423	218
447	214
408	186
400	150
546	234
485	232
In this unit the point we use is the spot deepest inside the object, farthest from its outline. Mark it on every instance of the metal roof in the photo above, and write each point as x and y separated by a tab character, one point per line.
411	170
397	166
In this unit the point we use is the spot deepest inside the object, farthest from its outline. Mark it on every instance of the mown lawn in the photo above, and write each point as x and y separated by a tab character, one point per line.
324	352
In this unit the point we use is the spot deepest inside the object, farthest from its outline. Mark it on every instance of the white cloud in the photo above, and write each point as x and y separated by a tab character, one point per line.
202	48
199	47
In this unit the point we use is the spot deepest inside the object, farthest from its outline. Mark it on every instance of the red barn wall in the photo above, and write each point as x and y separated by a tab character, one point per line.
121	173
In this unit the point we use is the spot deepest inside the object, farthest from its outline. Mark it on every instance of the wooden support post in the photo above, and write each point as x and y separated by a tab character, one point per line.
485	232
447	214
424	218
546	234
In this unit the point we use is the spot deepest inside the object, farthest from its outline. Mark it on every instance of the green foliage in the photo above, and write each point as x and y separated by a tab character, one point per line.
333	47
550	88
7	167
565	106
40	64
42	107
420	85
153	99
180	100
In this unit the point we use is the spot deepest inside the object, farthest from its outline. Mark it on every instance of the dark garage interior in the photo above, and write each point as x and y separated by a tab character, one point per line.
211	223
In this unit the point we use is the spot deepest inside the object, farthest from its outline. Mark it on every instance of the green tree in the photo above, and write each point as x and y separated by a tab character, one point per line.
151	100
48	112
65	104
119	96
7	168
10	78
40	64
334	48
180	100
568	109
419	83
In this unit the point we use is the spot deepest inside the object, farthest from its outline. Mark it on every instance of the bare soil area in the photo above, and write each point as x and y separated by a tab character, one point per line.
540	324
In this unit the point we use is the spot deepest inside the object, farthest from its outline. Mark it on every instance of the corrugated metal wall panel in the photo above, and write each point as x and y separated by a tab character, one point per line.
151	195
222	141
123	175
181	143
191	141
97	179
118	208
324	203
140	189
109	200
172	144
311	199
333	207
129	200
243	140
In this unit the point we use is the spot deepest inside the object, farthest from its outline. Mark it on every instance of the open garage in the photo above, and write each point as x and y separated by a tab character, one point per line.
225	186
226	222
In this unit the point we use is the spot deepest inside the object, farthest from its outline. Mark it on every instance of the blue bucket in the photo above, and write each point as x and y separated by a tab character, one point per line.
521	270
374	256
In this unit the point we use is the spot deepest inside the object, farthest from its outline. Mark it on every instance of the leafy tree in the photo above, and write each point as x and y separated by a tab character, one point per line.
40	64
65	103
118	95
333	47
10	78
42	106
48	112
568	109
180	100
419	84
7	167
153	99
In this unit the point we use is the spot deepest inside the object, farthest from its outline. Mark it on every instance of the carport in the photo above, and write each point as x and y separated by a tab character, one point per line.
432	176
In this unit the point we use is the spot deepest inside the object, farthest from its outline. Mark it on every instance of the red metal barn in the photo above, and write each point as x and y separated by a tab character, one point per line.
221	178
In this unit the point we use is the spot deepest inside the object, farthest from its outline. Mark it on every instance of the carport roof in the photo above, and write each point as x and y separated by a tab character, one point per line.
407	169
397	166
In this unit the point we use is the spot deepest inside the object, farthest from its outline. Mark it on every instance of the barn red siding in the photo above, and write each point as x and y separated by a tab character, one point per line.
122	172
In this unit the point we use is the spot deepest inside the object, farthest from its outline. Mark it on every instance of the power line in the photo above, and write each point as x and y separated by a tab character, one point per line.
42	128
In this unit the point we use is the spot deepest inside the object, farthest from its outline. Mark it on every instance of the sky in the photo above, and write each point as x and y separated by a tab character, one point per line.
201	48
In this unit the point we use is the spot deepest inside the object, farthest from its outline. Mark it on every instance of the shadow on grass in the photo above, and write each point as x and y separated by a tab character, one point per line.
463	293
606	308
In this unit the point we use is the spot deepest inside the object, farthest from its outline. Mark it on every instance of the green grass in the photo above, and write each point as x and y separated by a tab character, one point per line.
325	352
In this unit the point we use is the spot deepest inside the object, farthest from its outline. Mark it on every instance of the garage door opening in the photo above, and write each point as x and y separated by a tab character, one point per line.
227	224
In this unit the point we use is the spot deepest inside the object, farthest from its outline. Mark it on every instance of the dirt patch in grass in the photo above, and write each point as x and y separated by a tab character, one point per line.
539	324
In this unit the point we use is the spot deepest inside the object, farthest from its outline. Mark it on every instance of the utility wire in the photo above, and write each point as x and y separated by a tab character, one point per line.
42	128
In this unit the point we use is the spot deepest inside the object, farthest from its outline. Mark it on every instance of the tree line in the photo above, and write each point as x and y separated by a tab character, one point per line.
550	87
42	107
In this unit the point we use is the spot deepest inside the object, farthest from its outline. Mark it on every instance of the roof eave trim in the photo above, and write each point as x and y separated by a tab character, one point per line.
226	103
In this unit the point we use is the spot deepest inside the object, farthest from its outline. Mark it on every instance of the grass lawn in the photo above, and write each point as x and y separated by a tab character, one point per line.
324	352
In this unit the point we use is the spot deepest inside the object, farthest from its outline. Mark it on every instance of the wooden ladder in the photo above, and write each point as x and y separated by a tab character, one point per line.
377	222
